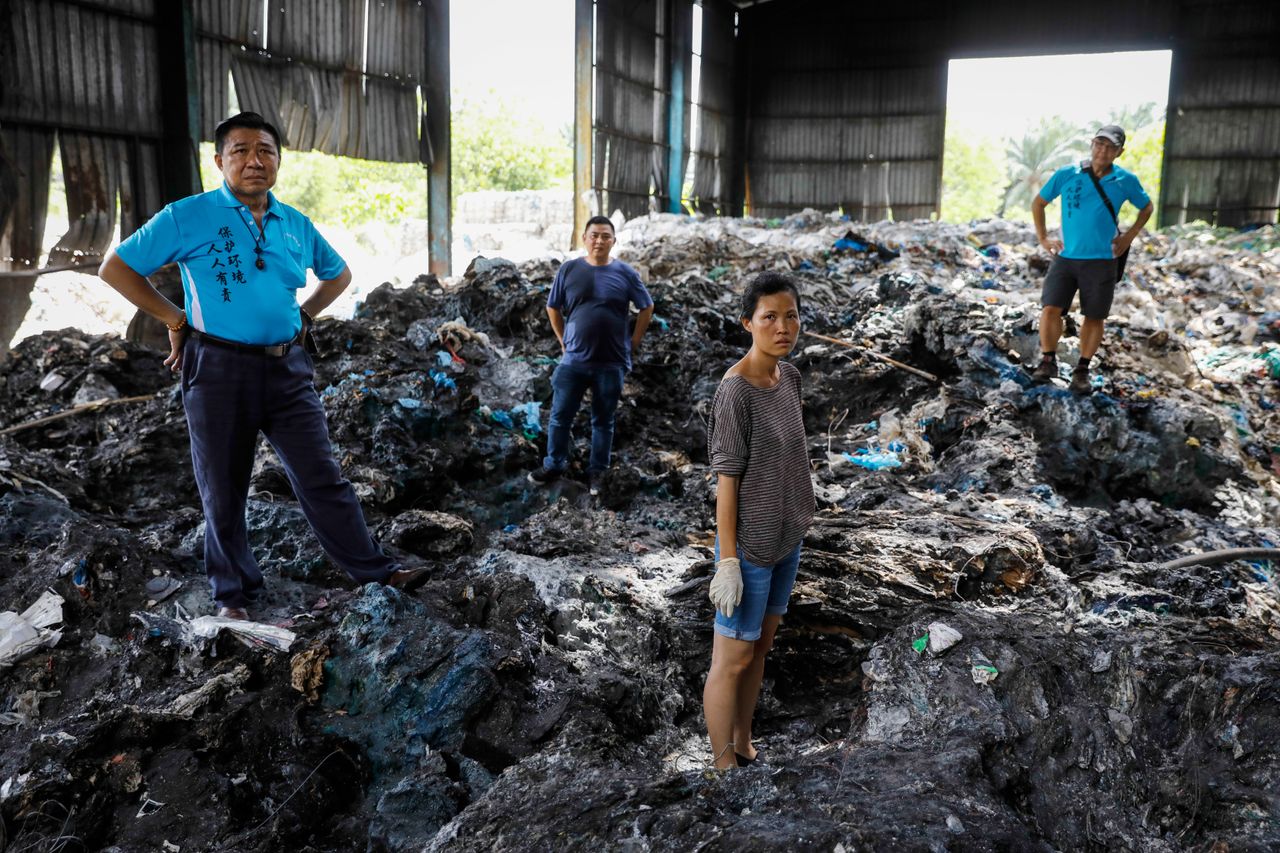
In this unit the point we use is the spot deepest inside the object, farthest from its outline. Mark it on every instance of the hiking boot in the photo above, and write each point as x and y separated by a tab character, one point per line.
1047	370
544	475
1080	383
595	479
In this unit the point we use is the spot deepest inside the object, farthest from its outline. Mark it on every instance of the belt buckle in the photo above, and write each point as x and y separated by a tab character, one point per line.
277	350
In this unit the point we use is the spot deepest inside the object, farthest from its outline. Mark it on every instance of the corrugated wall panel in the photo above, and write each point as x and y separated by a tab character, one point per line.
834	127
328	33
213	67
91	167
90	72
239	21
1222	139
395	42
81	67
26	156
629	150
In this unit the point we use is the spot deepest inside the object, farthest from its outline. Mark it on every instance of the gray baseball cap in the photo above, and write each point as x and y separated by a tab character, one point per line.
1112	133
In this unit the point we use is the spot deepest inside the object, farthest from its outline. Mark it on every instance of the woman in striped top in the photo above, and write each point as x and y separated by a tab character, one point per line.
764	504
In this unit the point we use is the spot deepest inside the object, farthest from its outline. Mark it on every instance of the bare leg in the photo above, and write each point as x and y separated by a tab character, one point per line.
729	661
1050	328
1090	336
749	687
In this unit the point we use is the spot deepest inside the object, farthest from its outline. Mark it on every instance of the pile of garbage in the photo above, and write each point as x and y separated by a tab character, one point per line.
995	641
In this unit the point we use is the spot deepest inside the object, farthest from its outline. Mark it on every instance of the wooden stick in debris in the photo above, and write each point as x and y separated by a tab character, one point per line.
32	273
83	407
890	361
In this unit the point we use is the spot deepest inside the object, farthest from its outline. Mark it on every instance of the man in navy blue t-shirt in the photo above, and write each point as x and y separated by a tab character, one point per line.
589	305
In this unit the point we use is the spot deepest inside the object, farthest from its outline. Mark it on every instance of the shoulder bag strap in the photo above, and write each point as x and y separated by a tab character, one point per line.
1097	185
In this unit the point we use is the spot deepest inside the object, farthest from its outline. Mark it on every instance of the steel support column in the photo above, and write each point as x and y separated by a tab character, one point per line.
583	59
435	95
680	65
179	100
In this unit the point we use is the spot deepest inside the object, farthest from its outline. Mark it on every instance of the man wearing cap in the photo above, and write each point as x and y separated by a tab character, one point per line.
238	343
1087	257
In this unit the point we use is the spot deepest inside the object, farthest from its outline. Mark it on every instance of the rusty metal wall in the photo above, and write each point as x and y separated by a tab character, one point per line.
629	150
1222	139
26	155
712	150
306	76
88	71
223	28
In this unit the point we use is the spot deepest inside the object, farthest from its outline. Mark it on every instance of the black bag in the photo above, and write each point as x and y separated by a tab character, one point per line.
1115	218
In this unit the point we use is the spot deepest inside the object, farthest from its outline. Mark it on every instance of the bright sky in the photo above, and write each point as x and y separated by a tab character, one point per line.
1001	97
522	49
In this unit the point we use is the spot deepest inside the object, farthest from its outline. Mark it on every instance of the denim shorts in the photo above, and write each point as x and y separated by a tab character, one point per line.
765	589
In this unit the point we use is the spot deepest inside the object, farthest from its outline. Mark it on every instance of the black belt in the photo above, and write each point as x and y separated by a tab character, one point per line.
275	350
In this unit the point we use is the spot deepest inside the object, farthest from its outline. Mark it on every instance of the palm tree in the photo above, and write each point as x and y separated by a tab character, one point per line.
1054	143
1133	118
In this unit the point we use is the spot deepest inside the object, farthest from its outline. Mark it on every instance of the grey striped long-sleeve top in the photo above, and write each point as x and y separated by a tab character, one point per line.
757	435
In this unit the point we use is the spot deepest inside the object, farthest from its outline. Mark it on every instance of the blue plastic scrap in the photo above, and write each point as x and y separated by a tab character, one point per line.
847	244
530	417
409	403
443	358
443	380
874	460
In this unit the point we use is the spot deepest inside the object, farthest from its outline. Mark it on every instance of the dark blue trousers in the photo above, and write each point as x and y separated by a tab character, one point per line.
230	397
569	383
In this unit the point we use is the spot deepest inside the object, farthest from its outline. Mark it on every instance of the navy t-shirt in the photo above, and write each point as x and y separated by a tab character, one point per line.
596	302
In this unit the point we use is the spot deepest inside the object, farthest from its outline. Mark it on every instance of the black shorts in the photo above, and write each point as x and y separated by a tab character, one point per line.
1095	278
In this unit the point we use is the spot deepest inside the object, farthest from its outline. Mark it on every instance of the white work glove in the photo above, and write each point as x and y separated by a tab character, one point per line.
726	586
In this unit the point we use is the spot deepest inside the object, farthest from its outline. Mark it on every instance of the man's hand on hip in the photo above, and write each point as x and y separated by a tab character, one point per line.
176	340
1052	245
1120	245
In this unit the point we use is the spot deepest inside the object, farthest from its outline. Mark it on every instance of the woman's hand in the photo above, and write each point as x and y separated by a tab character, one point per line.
726	586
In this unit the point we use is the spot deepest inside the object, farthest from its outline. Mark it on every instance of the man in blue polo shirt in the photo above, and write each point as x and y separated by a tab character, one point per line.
1086	259
238	343
589	305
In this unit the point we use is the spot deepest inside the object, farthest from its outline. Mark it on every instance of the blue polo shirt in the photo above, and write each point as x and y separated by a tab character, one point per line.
595	302
211	237
1087	226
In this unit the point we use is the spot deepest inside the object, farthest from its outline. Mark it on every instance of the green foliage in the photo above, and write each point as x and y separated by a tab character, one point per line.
971	181
341	190
494	148
1143	155
497	148
1040	152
